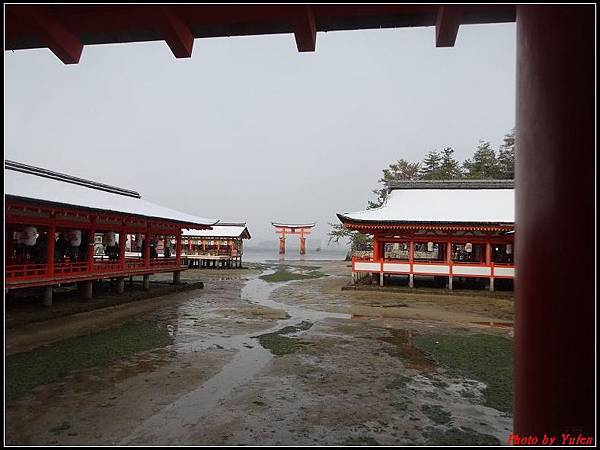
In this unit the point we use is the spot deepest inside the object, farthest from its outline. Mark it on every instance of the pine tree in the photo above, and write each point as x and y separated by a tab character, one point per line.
449	167
483	165
431	165
400	171
506	157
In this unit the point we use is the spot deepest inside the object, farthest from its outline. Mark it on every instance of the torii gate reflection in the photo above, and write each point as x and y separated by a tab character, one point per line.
284	229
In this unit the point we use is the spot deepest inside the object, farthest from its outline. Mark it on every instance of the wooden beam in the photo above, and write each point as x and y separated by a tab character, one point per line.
61	41
305	29
177	34
446	25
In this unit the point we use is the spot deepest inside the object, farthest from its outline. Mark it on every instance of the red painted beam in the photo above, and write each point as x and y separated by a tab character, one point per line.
177	33
446	25
61	41
305	29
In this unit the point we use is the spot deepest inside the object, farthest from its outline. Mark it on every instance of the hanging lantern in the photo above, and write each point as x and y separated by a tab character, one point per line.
468	247
109	239
28	236
509	249
74	237
430	246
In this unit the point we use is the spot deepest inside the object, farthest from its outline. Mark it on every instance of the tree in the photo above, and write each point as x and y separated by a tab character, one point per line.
483	165
506	157
449	167
431	166
400	171
358	241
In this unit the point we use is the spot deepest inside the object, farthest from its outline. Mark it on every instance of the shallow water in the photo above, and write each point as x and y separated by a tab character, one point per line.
250	358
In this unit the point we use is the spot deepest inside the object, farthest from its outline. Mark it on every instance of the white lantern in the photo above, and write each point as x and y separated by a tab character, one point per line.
509	249
430	246
28	236
109	239
74	237
138	241
468	247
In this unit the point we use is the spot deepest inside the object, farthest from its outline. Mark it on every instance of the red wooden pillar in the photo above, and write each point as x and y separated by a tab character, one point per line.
303	246
91	244
376	248
178	248
411	261
146	249
554	343
50	245
282	245
122	242
9	243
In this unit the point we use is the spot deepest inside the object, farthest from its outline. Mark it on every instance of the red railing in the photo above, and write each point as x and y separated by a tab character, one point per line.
163	262
37	273
134	264
106	266
18	271
70	267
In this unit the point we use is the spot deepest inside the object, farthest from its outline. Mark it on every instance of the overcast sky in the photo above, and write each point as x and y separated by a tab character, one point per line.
249	129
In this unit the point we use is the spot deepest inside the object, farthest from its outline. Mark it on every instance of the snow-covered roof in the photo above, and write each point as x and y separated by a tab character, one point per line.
476	203
32	183
233	231
294	225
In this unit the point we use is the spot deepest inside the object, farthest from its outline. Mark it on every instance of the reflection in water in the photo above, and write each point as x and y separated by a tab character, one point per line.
404	348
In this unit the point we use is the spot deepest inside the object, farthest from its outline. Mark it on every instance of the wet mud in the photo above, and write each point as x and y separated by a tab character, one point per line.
252	362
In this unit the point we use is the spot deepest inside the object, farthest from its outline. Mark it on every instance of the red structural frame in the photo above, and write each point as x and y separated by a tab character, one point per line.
405	233
20	213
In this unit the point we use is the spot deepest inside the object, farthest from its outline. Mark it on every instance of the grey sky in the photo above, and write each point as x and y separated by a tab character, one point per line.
250	129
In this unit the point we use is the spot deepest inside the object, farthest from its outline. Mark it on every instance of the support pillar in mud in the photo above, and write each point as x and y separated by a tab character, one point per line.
120	285
381	279
146	284
303	246
491	285
176	277
87	288
282	246
411	281
450	283
48	291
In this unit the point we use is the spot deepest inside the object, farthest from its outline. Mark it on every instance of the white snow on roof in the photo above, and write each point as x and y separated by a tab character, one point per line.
34	187
219	231
443	205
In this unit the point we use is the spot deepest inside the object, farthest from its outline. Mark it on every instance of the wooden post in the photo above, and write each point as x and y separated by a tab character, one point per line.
488	262
411	261
178	248
449	261
48	295
282	245
146	248
120	285
122	242
87	289
91	244
50	245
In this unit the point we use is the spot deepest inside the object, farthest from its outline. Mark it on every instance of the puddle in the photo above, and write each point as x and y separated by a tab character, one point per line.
249	359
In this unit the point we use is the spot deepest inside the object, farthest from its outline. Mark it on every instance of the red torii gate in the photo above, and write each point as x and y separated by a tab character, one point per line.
284	229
